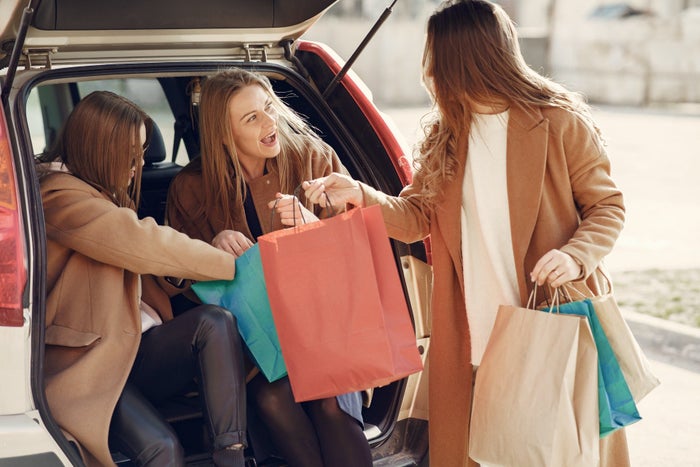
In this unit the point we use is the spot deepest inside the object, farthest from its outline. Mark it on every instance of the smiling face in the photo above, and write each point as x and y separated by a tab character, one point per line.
254	128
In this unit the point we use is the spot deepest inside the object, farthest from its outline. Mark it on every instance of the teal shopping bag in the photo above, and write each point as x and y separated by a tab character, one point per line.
246	297
616	405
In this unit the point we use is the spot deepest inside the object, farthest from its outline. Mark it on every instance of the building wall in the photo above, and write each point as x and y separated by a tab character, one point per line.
642	59
648	58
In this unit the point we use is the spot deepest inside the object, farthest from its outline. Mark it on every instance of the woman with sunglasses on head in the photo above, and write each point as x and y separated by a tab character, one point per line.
254	149
113	347
513	187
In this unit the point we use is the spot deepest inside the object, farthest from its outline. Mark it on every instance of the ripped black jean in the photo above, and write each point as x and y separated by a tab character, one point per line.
201	344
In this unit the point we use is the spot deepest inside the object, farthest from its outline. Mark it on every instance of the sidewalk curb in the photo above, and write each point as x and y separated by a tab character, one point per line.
666	341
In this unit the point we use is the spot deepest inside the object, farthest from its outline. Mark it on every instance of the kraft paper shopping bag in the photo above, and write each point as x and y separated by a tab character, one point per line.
633	362
616	407
535	394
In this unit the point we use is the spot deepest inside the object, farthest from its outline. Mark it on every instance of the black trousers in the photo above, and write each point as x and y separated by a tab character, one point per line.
201	344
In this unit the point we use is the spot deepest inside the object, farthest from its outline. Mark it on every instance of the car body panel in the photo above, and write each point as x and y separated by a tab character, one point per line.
72	30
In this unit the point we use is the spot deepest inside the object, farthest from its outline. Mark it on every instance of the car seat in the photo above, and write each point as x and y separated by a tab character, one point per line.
156	176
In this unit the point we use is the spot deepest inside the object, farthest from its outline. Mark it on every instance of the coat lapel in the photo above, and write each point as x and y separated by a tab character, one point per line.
525	168
449	214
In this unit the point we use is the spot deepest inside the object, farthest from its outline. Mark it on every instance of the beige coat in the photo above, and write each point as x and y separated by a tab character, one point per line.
185	197
561	196
96	252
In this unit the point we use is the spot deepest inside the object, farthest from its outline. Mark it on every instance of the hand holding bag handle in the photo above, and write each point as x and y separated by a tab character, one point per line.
546	415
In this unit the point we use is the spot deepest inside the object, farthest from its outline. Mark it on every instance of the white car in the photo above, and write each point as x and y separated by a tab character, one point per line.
53	52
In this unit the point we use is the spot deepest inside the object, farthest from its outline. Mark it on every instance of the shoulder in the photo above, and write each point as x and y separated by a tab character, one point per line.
57	182
564	120
190	175
323	158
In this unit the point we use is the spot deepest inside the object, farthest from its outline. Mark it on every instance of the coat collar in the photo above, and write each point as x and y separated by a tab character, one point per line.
525	168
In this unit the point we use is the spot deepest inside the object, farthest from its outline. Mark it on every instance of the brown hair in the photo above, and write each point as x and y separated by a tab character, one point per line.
472	56
222	174
100	142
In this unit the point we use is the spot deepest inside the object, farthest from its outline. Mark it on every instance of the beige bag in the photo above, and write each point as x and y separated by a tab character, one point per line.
536	392
633	363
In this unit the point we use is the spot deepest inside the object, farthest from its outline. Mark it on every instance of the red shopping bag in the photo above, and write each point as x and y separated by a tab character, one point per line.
338	305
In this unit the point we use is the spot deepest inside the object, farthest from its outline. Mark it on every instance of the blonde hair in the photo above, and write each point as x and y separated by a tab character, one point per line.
472	56
100	143
222	174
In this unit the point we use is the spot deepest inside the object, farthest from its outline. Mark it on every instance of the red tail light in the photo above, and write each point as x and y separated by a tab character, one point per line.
12	271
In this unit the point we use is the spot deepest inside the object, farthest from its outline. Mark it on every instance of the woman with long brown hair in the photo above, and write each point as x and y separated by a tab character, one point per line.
512	185
254	149
113	347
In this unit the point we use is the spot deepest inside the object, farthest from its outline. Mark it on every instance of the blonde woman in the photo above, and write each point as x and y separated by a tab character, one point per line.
513	187
254	149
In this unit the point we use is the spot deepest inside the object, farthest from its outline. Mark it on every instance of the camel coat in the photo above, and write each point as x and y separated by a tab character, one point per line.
561	196
185	197
96	253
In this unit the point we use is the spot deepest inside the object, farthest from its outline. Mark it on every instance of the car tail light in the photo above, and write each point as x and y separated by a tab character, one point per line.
12	271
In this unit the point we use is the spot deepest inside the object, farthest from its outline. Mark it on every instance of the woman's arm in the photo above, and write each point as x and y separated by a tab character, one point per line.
88	223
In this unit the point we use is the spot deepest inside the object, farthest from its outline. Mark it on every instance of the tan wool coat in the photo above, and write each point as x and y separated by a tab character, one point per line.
185	197
561	196
96	254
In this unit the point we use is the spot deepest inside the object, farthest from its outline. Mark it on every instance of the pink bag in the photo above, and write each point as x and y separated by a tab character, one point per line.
338	305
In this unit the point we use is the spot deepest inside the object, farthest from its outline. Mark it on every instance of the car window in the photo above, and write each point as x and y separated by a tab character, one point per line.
46	109
147	94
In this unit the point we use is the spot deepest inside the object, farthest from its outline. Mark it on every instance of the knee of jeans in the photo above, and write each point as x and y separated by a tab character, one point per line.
216	317
164	451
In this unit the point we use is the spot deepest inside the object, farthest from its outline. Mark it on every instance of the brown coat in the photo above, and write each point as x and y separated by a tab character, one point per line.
96	252
185	197
561	196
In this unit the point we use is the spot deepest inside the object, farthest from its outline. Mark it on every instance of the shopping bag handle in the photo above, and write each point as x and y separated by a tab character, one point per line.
296	204
333	211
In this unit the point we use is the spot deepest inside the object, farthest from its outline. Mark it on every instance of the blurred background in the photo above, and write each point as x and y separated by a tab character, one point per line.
635	52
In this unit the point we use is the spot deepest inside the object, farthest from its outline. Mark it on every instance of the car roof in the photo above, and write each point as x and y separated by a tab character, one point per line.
137	29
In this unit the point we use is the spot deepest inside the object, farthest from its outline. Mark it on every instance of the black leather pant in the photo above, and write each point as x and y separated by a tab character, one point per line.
202	344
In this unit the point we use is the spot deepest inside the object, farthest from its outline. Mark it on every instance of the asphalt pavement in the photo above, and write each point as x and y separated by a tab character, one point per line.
655	160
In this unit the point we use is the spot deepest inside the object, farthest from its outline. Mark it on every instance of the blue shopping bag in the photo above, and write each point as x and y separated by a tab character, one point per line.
616	405
246	297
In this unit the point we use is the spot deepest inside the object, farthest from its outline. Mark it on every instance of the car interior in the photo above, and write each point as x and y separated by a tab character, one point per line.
170	98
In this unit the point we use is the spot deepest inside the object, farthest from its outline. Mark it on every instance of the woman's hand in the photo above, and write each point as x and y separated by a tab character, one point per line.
341	189
232	241
556	268
291	211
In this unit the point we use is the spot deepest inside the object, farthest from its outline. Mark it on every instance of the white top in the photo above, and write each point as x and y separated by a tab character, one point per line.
490	279
149	317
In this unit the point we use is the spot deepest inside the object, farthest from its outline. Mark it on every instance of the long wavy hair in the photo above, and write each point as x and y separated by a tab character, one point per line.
472	55
222	174
100	144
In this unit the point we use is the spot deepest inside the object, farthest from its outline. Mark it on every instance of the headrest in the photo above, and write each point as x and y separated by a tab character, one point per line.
156	147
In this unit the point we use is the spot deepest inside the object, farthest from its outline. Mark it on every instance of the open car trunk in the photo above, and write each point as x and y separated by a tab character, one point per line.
155	53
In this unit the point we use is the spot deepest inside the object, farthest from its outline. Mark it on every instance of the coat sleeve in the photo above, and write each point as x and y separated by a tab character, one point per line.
93	226
598	200
405	216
